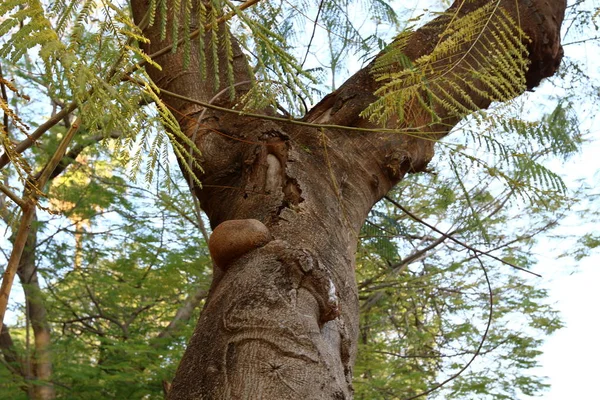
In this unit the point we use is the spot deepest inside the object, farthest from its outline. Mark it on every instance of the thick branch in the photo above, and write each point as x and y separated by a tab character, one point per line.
189	81
540	20
183	314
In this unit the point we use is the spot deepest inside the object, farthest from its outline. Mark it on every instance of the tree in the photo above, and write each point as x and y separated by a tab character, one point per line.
287	198
281	320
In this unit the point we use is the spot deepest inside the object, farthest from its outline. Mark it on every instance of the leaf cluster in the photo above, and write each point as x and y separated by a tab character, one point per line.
479	55
425	304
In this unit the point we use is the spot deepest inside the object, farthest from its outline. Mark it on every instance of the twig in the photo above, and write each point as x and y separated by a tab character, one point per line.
463	244
314	30
11	195
481	342
581	41
405	262
5	97
413	131
30	140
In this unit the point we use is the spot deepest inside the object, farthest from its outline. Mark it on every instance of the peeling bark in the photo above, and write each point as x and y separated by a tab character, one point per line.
281	319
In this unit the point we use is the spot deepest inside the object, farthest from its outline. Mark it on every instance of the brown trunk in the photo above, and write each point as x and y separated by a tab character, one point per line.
13	359
43	389
36	369
287	202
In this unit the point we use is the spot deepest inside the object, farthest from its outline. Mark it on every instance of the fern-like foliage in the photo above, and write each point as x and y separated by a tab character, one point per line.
478	55
24	26
513	151
87	56
264	34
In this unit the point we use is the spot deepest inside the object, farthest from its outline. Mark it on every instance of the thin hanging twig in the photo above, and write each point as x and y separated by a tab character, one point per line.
465	245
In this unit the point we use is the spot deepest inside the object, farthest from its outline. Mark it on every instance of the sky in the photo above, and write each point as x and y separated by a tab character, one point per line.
570	358
571	355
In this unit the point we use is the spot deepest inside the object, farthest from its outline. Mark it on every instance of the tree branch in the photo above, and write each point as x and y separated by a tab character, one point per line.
9	353
463	244
11	195
183	314
27	218
15	257
481	342
35	135
77	149
5	98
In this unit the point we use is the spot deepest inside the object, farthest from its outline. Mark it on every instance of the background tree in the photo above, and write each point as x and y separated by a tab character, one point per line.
285	289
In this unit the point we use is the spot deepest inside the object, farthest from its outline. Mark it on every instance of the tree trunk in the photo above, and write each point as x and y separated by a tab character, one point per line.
43	388
287	203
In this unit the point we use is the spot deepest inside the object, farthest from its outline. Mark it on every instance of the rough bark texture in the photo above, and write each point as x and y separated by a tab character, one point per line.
281	320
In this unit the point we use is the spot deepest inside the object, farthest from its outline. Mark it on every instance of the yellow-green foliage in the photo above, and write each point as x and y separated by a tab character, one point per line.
91	61
479	54
90	54
25	26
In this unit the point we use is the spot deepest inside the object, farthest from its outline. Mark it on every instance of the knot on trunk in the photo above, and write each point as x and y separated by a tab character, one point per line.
232	239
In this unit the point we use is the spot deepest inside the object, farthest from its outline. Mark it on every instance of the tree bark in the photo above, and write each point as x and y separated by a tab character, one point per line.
287	203
36	368
43	388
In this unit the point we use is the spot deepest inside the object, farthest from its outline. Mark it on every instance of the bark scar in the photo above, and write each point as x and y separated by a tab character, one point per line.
316	279
274	178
